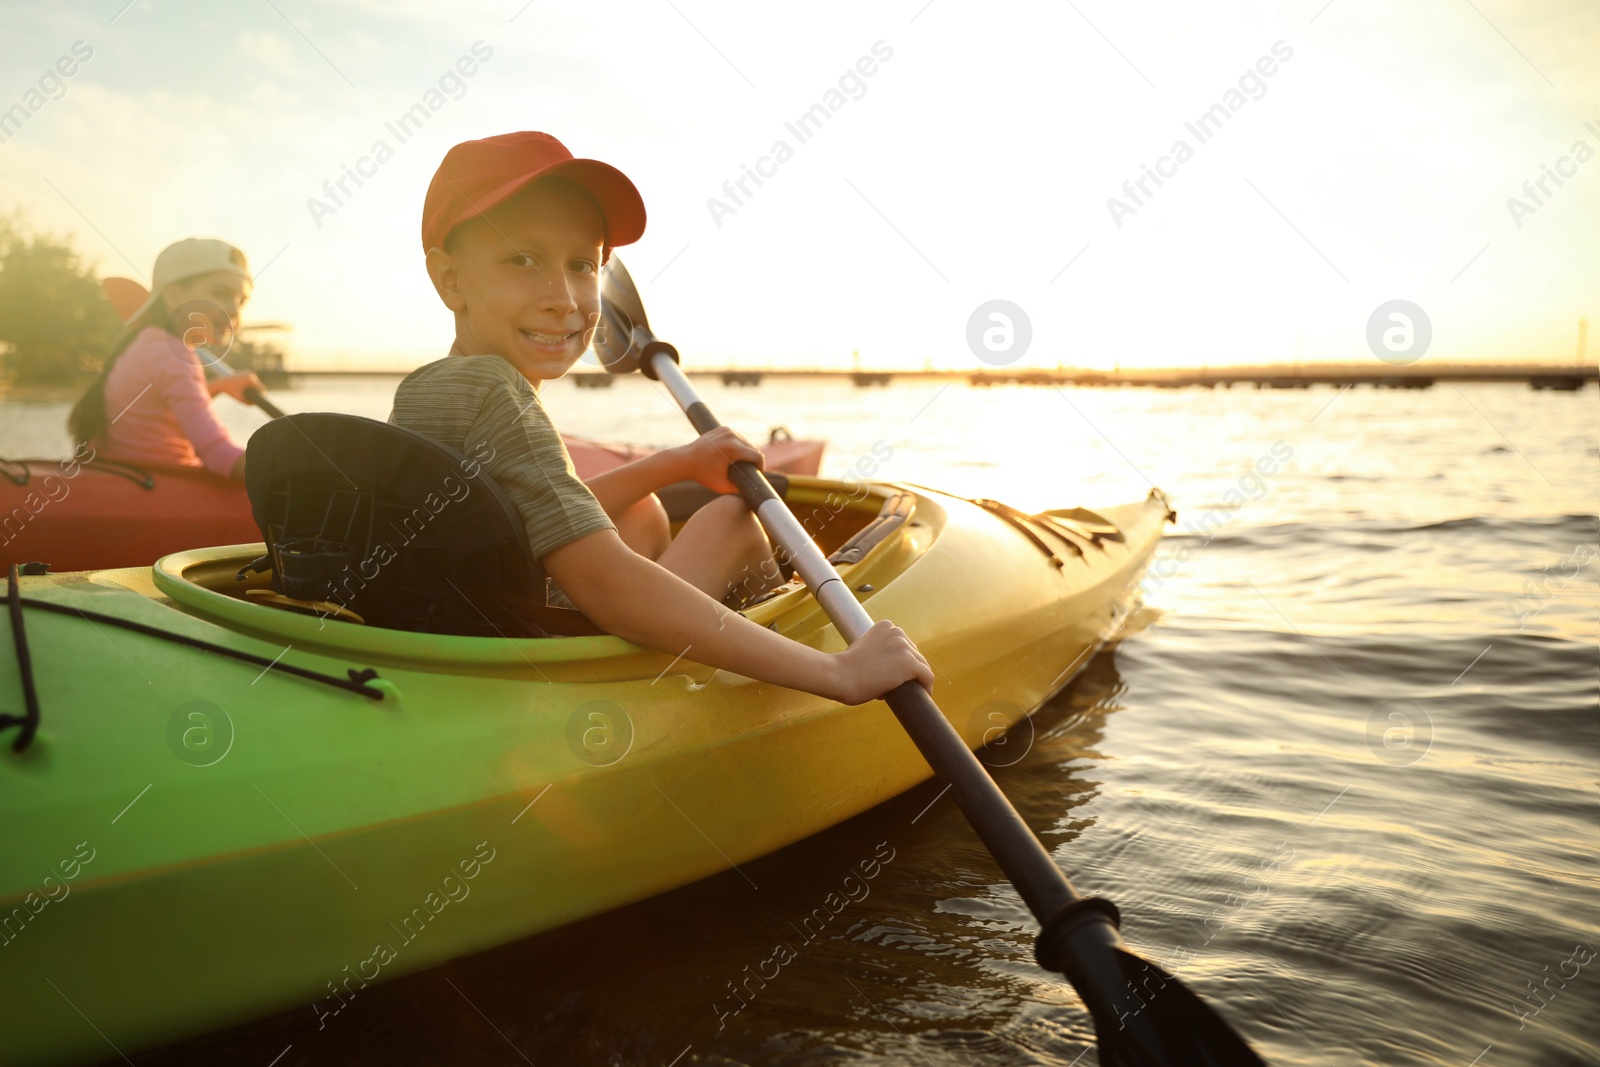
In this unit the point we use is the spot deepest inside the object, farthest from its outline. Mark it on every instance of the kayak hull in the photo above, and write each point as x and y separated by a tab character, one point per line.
82	516
78	516
501	788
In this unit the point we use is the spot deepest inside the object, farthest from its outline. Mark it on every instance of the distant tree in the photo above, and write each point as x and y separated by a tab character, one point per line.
56	324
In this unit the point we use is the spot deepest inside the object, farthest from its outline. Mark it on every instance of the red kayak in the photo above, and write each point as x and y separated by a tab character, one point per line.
77	516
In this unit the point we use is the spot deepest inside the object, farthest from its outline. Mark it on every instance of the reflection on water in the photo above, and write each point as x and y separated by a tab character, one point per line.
1340	774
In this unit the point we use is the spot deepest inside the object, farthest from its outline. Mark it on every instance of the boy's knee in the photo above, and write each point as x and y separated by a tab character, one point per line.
645	527
732	512
648	509
755	535
728	509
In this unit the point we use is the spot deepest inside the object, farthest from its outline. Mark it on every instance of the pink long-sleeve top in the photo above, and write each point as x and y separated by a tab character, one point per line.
158	409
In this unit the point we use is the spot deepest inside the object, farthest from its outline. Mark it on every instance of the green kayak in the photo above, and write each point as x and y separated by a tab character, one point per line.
230	808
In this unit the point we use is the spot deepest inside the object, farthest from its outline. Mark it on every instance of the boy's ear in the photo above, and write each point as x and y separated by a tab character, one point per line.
446	275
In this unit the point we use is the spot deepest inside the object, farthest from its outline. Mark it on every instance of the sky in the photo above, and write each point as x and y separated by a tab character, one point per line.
1359	152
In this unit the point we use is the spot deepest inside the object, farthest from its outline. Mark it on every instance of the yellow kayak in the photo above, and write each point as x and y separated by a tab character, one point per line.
230	808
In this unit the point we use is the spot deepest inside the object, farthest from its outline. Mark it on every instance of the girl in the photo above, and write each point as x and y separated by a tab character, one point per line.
151	403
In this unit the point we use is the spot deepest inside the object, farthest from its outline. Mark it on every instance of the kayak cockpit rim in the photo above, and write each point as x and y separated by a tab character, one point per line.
889	523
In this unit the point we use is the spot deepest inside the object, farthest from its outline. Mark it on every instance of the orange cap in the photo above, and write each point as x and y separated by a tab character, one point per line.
477	175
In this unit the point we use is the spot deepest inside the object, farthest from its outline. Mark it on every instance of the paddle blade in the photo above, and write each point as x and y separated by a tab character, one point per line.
623	329
1150	1019
125	294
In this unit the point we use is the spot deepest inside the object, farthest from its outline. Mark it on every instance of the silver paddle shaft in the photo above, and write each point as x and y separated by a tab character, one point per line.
848	616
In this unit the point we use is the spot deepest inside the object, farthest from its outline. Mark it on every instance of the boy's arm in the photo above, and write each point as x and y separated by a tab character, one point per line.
622	487
635	598
706	460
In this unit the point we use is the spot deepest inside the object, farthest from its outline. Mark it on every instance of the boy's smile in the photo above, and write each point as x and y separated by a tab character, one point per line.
524	279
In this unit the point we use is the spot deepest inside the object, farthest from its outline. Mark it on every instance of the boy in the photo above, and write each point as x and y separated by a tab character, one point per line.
515	231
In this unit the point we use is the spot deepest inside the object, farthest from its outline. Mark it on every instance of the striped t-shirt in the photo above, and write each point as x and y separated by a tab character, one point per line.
478	404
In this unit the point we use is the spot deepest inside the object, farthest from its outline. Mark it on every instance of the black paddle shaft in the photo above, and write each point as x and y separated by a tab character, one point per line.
214	368
256	397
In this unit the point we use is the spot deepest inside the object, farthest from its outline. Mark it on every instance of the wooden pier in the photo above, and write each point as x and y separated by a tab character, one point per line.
1537	377
1567	378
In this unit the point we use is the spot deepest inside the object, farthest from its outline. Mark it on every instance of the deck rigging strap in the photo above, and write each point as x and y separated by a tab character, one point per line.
6	466
1018	521
29	720
356	682
1022	522
137	475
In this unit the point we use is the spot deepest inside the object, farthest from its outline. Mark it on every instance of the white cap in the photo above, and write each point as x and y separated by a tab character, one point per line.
190	258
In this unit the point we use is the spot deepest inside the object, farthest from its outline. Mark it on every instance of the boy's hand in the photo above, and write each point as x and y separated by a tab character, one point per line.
236	384
880	660
707	458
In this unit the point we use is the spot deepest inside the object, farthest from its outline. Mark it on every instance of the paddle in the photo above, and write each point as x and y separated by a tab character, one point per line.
1144	1017
127	296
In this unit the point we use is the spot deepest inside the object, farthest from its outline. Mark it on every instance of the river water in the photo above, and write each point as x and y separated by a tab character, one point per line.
1341	772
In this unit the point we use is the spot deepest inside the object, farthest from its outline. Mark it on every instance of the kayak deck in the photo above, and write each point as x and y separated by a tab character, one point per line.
329	843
